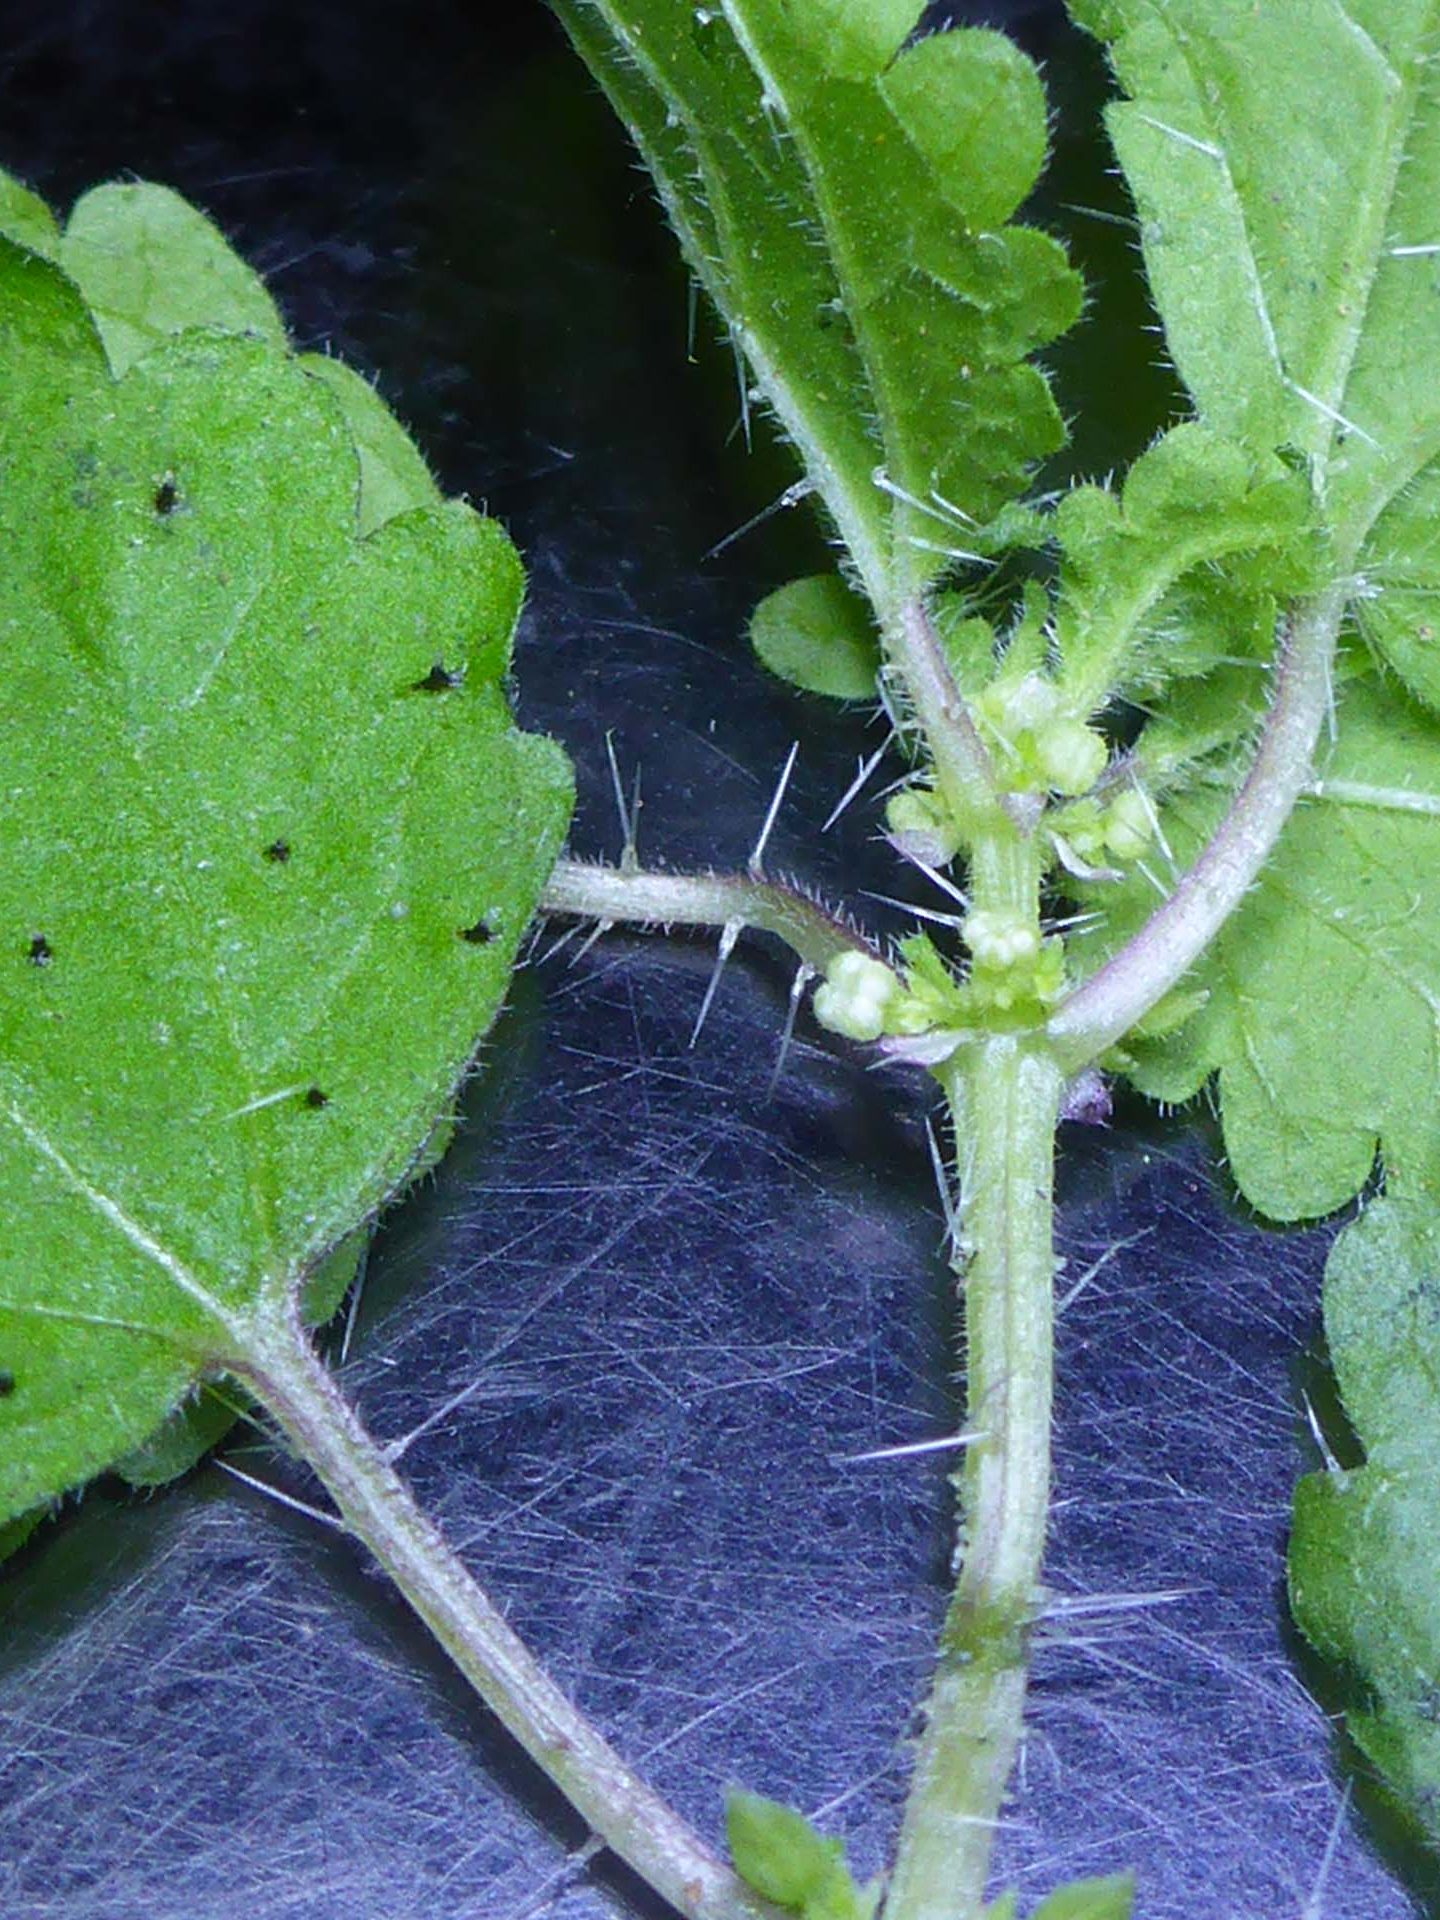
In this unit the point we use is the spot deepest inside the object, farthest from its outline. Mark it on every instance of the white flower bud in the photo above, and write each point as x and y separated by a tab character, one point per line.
1000	939
855	996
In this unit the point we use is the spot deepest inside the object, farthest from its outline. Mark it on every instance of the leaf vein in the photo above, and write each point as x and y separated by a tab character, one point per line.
110	1210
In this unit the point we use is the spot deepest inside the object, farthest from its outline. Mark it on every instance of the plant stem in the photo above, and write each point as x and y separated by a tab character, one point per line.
964	770
1109	1004
379	1509
1005	1096
616	895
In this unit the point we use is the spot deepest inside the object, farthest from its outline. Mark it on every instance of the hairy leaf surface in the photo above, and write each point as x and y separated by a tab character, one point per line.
1362	1555
148	264
843	193
1323	1009
1285	162
270	843
1195	509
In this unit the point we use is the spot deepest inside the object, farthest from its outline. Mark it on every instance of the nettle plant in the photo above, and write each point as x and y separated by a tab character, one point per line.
266	807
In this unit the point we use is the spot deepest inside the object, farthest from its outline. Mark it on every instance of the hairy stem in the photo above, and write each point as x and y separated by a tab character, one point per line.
379	1509
618	896
1005	1097
1109	1004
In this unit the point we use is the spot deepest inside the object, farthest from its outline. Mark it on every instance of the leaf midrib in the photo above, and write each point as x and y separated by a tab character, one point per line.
884	590
853	515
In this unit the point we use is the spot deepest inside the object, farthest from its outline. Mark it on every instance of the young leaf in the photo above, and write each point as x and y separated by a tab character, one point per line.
778	1853
1285	162
252	836
1362	1554
818	636
1110	1897
1192	505
1320	1014
842	190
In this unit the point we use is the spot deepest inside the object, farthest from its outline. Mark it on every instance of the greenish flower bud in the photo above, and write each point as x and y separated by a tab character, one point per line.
1024	706
1071	756
1129	826
917	824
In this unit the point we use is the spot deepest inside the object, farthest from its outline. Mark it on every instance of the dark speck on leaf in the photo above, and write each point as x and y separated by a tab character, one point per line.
479	935
278	852
40	952
440	679
315	1098
167	496
7	1383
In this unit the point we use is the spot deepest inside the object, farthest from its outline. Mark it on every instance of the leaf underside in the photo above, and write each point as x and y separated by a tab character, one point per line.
271	842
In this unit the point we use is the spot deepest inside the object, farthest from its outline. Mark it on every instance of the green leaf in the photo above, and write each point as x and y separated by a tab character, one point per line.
817	635
1165	578
1362	1553
1320	1016
779	1854
251	837
842	191
1109	1897
148	264
1285	163
187	1434
393	475
25	218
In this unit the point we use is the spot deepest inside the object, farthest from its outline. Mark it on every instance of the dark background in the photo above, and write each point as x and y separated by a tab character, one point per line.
676	1301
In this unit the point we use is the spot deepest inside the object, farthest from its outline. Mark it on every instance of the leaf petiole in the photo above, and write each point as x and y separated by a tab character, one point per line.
616	896
282	1370
1105	1008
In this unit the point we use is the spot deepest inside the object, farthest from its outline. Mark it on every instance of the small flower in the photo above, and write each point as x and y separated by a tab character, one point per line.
856	996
